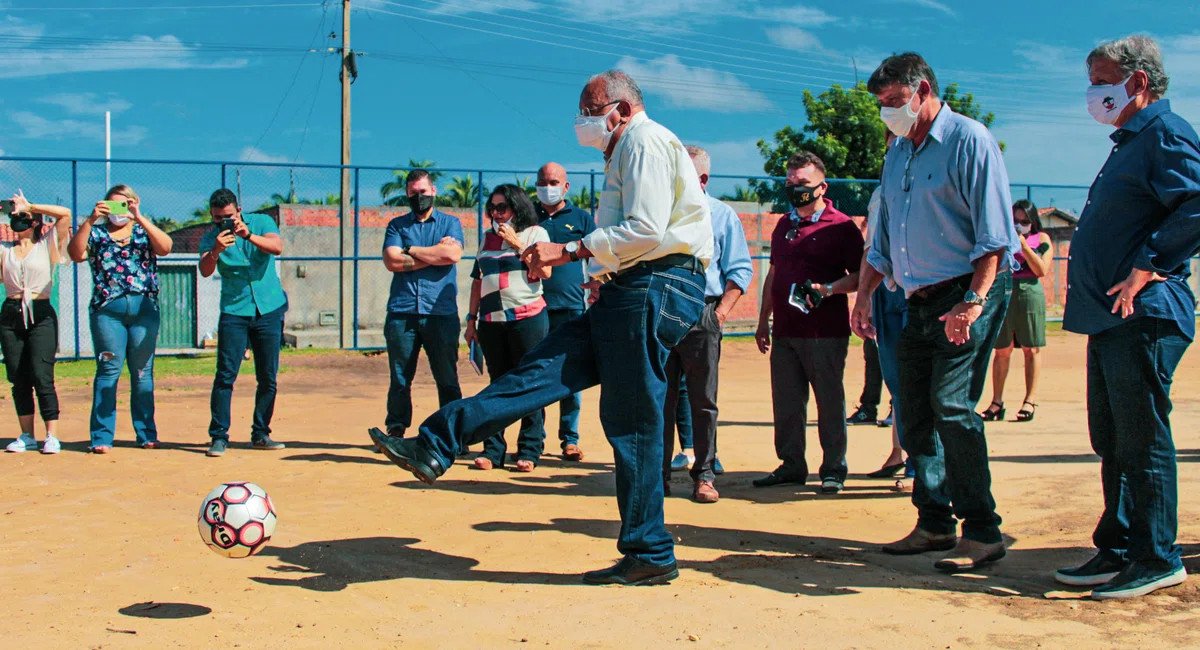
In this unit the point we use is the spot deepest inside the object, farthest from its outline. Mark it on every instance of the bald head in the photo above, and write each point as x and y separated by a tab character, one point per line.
551	171
552	186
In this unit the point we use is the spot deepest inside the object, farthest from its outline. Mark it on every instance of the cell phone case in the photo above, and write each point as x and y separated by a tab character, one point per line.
798	299
476	355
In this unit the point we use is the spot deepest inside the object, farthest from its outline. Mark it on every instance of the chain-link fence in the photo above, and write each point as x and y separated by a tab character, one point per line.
332	269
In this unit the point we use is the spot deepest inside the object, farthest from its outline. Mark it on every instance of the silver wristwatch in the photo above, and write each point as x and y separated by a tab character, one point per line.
572	249
972	298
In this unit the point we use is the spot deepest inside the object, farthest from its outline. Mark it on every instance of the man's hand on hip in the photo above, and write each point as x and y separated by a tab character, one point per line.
1129	289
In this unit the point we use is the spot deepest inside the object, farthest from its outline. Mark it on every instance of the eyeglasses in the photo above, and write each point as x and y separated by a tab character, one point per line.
593	112
497	208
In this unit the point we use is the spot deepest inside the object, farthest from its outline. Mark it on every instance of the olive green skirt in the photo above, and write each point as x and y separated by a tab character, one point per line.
1025	323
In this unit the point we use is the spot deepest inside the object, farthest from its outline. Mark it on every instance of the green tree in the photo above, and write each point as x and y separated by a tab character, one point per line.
741	194
583	199
843	129
462	192
526	186
394	192
966	105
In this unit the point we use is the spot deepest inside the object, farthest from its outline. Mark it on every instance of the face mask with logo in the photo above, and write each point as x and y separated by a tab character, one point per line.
1105	103
900	121
592	130
1024	228
800	196
118	220
550	194
420	203
21	221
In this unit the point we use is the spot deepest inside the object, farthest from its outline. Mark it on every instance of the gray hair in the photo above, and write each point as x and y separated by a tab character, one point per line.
907	69
619	86
1133	53
700	159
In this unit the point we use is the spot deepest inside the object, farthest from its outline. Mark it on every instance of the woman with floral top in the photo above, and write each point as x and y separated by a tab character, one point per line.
123	253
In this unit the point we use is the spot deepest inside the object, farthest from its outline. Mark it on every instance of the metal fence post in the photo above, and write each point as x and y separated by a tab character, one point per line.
354	338
222	176
1029	193
75	267
479	217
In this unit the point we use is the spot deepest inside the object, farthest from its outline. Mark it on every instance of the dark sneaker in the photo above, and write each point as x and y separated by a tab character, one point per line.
861	416
265	442
886	422
1134	582
1096	571
219	445
631	572
830	486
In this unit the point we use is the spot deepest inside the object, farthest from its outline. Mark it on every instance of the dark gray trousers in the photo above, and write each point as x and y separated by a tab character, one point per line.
797	364
696	358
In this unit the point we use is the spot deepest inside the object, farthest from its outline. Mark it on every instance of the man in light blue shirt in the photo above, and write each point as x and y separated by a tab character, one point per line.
696	357
946	237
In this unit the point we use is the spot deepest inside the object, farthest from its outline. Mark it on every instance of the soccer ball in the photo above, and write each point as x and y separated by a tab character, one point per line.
237	519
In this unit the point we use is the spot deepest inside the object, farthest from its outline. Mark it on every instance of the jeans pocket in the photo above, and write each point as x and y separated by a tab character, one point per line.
677	313
620	314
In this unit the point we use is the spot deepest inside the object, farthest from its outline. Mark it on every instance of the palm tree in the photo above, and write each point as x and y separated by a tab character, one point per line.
583	199
462	192
394	192
530	189
741	194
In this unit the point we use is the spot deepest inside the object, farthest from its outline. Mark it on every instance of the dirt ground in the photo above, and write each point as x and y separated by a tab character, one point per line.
102	551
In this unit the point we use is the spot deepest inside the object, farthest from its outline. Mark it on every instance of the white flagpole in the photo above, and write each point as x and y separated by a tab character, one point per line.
107	149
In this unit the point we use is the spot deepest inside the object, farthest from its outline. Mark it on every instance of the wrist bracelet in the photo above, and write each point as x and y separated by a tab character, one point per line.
472	317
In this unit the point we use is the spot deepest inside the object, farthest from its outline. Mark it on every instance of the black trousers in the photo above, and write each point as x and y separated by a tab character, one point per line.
696	358
798	365
29	353
873	382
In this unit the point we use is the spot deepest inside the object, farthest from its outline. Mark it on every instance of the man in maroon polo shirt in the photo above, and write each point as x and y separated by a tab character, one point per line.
815	254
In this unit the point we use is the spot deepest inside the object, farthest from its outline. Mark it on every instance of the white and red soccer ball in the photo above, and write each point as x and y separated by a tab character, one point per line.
237	519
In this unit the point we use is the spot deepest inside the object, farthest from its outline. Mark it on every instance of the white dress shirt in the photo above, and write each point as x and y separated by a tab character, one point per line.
652	205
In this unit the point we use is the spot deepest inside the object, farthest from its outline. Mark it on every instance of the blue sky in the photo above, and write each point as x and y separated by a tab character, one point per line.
495	83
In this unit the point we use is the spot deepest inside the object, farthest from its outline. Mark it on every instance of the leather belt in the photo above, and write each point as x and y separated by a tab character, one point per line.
674	260
933	291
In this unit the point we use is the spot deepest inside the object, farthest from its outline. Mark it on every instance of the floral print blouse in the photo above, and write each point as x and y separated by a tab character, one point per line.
119	270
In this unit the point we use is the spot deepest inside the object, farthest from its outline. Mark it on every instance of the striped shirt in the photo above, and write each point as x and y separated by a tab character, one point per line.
507	292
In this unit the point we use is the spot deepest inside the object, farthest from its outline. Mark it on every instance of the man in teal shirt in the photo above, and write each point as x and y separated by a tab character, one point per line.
243	250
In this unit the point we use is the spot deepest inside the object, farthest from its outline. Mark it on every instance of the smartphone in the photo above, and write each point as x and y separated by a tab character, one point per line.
228	224
475	354
798	298
7	206
117	207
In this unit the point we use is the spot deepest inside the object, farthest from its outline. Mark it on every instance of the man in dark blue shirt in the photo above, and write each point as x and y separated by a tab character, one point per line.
1127	290
421	249
563	290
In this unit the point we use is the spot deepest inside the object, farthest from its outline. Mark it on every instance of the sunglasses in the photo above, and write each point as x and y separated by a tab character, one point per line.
790	235
497	208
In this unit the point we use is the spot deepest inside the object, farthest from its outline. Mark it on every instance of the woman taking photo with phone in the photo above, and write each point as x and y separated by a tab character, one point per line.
28	322
123	247
507	303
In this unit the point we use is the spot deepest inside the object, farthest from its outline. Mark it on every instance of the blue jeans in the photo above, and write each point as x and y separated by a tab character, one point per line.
504	344
568	409
124	331
1129	371
889	313
406	334
621	344
264	334
940	385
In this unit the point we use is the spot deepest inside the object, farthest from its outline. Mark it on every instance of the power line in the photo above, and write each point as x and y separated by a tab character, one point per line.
311	108
312	42
169	8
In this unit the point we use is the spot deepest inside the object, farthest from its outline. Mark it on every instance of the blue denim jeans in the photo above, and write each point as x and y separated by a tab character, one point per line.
264	334
889	313
621	344
406	334
124	331
940	385
568	409
504	344
1129	371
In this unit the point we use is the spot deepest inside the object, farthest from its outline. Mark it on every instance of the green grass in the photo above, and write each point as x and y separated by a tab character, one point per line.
204	364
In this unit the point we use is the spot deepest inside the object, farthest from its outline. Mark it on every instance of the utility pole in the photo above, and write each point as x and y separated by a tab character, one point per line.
346	269
107	150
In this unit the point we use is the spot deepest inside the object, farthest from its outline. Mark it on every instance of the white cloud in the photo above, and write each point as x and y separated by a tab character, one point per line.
740	157
36	127
139	53
87	103
794	38
798	15
255	155
695	87
929	4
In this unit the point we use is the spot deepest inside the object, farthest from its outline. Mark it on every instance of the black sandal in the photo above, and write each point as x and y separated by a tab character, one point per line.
991	415
1025	415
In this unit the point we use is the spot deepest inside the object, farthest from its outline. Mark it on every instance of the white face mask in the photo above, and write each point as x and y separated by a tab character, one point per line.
1105	103
550	194
901	120
118	220
592	131
1024	228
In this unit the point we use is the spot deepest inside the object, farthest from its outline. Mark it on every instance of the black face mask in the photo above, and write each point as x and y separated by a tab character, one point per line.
800	196
420	203
21	221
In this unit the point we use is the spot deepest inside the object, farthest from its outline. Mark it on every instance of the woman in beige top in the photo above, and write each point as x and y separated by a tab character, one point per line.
28	323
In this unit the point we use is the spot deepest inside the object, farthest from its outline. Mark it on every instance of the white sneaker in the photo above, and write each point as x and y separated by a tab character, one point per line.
25	443
51	446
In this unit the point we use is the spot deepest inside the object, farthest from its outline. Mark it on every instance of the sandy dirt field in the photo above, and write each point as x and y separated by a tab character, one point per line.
102	551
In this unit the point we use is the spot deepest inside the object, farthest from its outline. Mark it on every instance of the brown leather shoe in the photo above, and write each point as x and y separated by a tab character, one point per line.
970	554
920	541
572	453
705	492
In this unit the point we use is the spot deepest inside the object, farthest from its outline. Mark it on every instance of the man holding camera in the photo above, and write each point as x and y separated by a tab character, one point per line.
243	249
815	253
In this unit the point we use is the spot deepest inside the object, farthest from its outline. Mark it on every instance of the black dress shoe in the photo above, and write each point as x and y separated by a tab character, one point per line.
631	572
408	454
779	478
